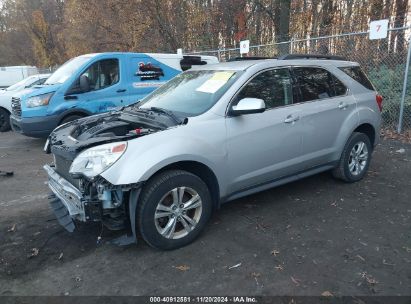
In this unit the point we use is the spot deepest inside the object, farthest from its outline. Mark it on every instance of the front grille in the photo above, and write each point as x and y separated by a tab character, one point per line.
16	106
63	167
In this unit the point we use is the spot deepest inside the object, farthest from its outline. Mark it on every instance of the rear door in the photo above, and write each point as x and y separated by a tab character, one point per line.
325	103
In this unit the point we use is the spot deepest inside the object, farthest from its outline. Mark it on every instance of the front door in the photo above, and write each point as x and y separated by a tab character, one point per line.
266	146
107	90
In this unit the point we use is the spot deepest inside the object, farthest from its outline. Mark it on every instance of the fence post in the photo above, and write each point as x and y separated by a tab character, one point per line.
219	54
404	88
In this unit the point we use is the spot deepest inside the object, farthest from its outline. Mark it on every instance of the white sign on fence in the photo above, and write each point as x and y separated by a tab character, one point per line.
244	46
180	52
378	29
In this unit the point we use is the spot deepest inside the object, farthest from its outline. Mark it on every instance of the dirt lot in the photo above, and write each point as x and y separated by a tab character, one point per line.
312	236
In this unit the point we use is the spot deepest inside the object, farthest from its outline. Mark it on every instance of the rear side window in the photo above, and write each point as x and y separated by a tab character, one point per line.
317	83
358	75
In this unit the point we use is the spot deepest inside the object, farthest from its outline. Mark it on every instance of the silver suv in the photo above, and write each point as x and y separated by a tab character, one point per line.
211	135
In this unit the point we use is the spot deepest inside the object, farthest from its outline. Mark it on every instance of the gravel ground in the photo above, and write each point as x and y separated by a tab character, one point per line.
311	237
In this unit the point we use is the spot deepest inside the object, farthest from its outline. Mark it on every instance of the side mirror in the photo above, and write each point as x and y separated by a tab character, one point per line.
248	106
84	84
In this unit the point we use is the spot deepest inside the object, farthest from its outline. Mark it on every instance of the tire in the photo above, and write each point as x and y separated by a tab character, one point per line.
157	199
355	158
4	120
70	118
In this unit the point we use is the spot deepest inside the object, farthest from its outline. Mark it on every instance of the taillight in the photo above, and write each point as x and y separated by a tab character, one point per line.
378	99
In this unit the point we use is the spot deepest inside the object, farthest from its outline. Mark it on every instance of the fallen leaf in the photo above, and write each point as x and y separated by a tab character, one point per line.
34	252
256	274
327	294
182	267
360	257
279	267
12	229
295	281
275	252
60	256
235	266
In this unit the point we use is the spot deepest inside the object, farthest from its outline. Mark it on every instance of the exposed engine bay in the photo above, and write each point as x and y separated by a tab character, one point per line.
70	139
76	196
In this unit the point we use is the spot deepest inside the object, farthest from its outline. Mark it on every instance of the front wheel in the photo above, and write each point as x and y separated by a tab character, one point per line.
355	158
174	208
4	120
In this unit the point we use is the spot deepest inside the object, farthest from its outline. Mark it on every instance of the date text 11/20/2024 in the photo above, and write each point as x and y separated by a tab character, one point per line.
239	299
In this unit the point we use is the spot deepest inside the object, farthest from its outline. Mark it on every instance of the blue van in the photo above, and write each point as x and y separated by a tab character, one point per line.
95	83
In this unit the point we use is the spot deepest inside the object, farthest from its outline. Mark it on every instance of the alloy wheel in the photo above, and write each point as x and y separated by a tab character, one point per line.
178	212
358	158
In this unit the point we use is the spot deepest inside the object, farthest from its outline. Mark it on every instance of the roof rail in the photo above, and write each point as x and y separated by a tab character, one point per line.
311	56
250	58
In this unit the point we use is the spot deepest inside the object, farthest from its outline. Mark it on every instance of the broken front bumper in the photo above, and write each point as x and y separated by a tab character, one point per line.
69	195
68	202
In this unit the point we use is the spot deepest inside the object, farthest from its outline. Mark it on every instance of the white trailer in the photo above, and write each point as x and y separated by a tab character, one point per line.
13	74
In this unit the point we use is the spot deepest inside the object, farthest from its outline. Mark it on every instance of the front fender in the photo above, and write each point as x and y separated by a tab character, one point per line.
148	154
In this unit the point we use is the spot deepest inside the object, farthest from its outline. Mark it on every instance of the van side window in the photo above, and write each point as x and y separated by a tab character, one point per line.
317	83
102	74
274	87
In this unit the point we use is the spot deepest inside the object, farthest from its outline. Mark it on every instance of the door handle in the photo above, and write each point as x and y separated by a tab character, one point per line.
121	90
291	119
342	105
70	97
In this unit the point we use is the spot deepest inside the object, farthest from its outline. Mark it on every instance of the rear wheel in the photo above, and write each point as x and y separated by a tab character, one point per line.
174	208
4	120
355	159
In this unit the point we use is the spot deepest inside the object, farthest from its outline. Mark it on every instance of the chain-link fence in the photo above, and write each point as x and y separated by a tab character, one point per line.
383	60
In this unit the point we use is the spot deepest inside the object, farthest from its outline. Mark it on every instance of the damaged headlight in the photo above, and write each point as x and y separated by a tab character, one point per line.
94	161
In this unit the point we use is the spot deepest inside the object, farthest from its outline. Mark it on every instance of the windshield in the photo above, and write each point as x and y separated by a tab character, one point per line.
22	83
191	93
66	70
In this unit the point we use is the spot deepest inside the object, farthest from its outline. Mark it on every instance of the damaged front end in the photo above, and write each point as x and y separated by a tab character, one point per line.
85	148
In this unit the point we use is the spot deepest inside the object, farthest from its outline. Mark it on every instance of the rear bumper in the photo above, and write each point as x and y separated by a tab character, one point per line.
39	127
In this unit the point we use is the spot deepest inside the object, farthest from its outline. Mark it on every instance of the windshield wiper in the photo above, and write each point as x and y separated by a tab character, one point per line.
166	112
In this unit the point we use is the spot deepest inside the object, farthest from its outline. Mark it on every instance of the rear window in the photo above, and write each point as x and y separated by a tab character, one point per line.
358	75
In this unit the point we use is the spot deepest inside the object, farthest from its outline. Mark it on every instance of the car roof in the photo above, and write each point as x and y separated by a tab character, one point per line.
243	65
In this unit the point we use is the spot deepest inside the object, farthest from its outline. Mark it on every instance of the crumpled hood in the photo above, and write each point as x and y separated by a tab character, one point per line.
70	139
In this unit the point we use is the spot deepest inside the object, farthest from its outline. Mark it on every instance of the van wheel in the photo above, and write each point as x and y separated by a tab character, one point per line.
355	158
4	120
174	208
70	118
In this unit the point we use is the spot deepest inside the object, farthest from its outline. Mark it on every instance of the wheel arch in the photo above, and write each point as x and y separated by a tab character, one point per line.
202	171
367	129
71	112
3	108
